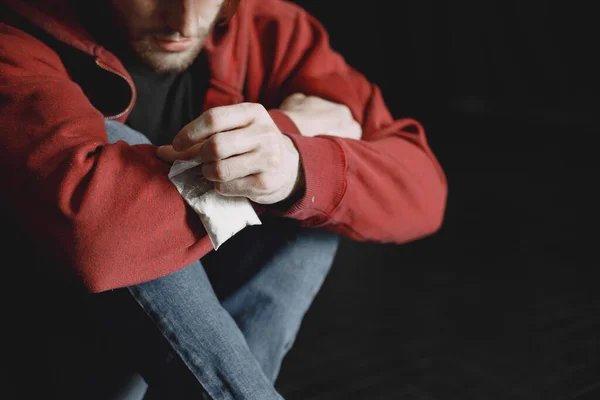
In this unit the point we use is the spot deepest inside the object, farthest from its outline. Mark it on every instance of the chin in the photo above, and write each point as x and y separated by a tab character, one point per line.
169	63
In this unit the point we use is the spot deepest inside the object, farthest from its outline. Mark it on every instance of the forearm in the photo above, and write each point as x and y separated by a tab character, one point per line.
390	189
108	212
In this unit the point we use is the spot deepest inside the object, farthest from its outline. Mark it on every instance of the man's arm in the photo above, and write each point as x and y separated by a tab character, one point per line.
107	211
386	187
315	116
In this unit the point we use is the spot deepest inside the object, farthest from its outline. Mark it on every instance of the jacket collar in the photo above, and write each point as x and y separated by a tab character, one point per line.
226	47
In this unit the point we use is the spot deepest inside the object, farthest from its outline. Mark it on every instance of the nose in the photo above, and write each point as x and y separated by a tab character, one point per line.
182	16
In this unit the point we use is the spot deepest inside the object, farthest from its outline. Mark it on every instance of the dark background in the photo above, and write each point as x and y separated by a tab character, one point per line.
502	302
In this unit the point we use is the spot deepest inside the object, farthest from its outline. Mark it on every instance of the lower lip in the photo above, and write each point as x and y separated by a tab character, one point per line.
175	45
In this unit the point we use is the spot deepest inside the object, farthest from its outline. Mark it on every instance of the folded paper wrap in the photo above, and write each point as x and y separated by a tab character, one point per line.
222	216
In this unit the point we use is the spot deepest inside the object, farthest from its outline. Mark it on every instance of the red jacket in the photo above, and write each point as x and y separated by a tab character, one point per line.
109	212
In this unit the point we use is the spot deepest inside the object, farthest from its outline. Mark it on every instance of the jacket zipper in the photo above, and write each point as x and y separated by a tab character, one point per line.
130	105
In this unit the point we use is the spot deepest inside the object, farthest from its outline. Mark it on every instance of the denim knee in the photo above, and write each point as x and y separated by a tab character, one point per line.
116	131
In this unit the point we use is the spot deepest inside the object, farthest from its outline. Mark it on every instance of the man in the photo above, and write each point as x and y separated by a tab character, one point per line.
98	99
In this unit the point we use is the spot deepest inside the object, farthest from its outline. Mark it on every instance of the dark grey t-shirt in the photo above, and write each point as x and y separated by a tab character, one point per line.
167	102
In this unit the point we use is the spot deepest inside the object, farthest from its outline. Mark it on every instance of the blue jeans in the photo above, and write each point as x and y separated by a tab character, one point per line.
226	322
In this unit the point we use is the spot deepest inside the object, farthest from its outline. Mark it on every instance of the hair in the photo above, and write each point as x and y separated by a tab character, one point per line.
228	10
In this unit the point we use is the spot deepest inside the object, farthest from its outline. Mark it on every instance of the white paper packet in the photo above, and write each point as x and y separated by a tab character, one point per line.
222	216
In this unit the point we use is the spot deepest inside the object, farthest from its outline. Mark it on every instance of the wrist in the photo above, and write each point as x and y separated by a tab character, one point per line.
299	186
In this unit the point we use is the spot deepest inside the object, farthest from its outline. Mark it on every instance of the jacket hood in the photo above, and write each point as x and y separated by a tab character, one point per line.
226	46
57	18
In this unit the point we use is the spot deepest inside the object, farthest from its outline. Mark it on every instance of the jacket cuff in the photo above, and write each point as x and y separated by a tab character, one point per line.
283	122
324	164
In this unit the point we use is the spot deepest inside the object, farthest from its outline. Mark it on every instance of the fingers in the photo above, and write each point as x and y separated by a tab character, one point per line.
255	187
217	147
215	120
233	168
169	154
230	143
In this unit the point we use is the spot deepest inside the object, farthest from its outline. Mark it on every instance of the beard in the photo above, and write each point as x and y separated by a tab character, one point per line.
138	44
163	61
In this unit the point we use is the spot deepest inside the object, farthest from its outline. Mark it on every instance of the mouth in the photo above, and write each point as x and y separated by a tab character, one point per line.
175	46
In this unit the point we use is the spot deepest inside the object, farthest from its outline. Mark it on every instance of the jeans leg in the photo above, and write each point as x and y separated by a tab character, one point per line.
200	332
203	334
266	277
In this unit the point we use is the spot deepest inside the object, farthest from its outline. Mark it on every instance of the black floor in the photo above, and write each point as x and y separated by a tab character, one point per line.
501	304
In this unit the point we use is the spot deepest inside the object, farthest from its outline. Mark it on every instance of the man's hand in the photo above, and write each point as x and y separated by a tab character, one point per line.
315	116
242	151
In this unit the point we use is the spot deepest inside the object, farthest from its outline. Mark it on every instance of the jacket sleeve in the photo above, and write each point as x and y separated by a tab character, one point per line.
107	212
387	187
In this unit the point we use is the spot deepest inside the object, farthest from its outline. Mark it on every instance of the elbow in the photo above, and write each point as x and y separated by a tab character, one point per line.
112	260
84	259
428	206
435	208
96	265
435	220
94	277
95	283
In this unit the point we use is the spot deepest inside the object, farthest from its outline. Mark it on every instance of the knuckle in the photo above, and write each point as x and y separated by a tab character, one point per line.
264	183
255	109
293	101
221	171
298	97
216	147
260	199
258	107
210	117
272	160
